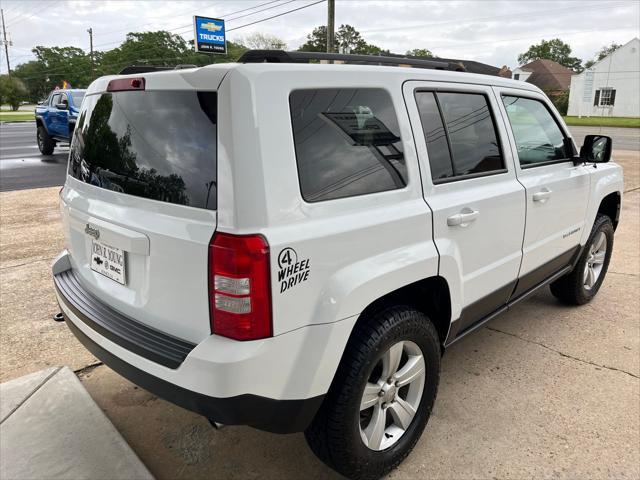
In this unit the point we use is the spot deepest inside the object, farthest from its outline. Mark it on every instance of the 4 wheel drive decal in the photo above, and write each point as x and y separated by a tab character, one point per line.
291	270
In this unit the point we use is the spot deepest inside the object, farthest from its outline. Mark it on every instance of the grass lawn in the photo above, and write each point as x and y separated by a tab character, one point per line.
17	117
603	121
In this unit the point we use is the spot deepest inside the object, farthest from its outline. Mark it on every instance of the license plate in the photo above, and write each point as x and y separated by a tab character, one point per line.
108	261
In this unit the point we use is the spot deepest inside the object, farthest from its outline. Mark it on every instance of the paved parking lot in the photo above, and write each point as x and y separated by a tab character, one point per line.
543	391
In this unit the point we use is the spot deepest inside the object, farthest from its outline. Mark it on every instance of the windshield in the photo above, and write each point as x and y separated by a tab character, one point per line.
155	144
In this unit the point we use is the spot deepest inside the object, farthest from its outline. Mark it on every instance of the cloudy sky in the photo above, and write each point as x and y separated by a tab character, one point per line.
490	31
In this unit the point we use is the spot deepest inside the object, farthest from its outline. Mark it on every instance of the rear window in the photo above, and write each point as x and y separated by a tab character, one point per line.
159	145
77	98
347	143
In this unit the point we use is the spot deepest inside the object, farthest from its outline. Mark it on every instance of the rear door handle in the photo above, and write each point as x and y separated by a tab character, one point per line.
464	218
542	196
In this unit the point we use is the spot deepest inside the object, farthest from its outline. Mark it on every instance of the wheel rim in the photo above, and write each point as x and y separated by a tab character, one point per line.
392	395
39	138
595	261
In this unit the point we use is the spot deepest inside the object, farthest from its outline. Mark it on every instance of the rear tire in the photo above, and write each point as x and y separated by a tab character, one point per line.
45	143
583	282
343	434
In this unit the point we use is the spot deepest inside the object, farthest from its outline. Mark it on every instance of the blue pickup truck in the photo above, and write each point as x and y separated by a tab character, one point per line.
56	118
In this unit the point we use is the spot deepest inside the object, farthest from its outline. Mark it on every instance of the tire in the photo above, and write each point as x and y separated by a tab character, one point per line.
337	434
573	288
45	143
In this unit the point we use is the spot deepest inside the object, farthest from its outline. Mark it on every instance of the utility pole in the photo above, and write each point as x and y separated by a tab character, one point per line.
5	42
331	24
93	67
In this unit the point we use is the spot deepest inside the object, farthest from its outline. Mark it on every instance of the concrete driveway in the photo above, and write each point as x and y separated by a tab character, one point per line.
543	391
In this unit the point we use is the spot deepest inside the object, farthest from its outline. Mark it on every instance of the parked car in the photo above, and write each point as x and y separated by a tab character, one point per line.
56	118
294	246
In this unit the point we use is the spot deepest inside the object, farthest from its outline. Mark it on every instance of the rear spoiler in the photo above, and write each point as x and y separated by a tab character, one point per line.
136	69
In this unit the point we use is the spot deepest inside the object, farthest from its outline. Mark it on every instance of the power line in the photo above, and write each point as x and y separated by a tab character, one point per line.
190	25
241	26
37	12
276	16
172	14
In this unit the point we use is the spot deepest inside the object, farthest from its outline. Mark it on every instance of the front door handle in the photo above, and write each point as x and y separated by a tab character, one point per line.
542	196
464	218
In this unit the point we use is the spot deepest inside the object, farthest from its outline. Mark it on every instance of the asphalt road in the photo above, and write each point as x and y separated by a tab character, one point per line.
22	166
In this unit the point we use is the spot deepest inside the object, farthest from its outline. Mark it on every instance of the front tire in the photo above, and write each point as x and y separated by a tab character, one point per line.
583	282
45	143
382	395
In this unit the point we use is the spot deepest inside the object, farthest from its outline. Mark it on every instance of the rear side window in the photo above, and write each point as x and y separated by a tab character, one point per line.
153	144
460	134
538	136
347	143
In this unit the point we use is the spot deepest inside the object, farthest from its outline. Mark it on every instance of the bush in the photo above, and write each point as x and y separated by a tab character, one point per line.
560	101
12	91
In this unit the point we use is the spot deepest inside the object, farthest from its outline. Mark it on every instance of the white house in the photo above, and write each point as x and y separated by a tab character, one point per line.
611	87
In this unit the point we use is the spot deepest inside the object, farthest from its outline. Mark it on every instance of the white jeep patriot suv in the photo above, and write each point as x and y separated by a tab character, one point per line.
292	246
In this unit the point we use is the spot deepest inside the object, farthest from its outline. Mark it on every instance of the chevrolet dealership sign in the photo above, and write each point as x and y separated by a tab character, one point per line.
209	35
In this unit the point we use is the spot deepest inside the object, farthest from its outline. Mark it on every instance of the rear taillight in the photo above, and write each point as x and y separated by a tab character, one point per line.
239	286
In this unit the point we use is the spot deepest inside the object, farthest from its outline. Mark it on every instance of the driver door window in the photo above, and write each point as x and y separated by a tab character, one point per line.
538	137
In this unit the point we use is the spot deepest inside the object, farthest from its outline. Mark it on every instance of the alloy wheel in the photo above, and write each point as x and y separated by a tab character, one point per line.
595	261
392	395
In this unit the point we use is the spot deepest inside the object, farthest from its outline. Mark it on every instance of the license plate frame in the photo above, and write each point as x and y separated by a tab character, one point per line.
109	261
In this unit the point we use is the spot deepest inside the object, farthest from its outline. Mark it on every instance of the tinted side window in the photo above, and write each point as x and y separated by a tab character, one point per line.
435	135
472	134
347	143
538	136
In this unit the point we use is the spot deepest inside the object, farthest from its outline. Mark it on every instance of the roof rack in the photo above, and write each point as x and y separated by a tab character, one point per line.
280	56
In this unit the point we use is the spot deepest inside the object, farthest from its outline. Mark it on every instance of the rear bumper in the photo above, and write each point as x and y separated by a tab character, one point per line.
278	416
274	384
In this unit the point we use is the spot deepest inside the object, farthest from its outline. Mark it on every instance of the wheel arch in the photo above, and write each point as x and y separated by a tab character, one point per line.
610	206
430	296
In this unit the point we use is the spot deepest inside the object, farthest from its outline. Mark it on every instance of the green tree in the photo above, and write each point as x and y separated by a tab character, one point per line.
65	63
34	78
51	67
12	91
420	52
604	52
160	48
555	50
348	39
316	40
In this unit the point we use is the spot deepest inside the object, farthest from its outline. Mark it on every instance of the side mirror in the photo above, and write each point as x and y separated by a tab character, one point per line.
62	106
596	148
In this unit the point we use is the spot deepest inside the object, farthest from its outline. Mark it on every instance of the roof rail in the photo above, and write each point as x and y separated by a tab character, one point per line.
280	56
